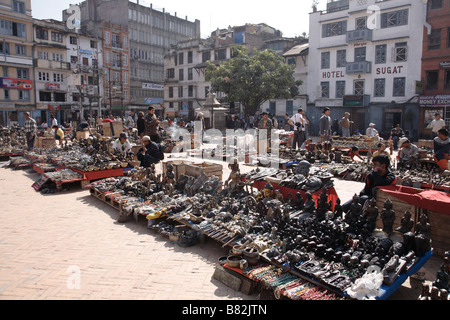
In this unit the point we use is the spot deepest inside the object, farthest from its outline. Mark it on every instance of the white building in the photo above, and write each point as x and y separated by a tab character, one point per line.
365	58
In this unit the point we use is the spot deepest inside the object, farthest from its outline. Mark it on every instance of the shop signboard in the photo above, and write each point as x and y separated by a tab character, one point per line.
154	100
153	86
356	101
52	86
444	64
435	101
16	83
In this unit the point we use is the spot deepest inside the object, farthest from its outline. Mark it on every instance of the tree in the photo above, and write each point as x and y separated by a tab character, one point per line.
253	79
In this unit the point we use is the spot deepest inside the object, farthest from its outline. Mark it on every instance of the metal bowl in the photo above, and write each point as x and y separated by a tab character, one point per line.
233	261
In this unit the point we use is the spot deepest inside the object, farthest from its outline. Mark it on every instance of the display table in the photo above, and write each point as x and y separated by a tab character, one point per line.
101	174
331	192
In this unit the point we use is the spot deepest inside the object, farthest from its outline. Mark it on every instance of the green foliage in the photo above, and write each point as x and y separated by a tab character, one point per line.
253	79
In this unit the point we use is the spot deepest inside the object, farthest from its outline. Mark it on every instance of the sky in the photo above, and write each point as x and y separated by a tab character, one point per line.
291	17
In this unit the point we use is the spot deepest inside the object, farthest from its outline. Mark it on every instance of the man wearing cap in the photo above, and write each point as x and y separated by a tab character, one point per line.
122	145
325	125
151	152
345	125
396	134
298	122
151	125
30	127
408	154
372	132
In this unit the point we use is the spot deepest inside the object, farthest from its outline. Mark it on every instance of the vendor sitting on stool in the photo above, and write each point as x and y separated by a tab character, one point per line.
381	149
353	152
408	154
122	145
381	175
442	149
151	152
59	134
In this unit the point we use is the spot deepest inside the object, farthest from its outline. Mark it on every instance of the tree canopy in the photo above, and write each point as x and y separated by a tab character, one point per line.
253	79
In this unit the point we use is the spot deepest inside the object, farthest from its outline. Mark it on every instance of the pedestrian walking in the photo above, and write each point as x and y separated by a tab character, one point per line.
345	124
298	122
325	125
30	130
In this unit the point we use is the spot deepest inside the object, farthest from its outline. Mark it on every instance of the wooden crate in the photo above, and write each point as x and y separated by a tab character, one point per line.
108	131
179	168
45	142
440	222
209	169
82	135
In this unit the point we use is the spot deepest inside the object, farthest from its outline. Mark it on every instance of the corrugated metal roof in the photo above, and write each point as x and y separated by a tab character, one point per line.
300	49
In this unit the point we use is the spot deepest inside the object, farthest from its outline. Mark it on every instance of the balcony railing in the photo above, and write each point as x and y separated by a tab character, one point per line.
50	64
333	6
359	35
359	67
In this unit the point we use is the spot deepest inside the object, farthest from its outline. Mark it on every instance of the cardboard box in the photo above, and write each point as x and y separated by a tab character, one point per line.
82	135
112	129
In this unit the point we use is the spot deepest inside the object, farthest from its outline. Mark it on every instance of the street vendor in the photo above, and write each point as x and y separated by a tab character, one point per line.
396	134
408	154
151	152
59	133
381	175
83	126
442	149
353	152
122	145
372	132
381	149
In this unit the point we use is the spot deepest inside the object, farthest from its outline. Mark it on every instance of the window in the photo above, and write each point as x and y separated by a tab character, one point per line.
448	37
86	62
4	48
190	57
432	79
45	96
399	87
41	33
361	23
190	74
434	39
394	18
358	87
325	61
24	95
181	58
435	4
170	73
58	77
170	92
93	44
340	89
341	58
180	92
115	41
42	55
190	91
334	29
19	6
7	96
447	79
220	54
181	74
5	71
57	57
206	56
43	76
73	40
107	37
360	54
56	36
325	89
380	87
116	60
380	53
400	52
60	97
22	73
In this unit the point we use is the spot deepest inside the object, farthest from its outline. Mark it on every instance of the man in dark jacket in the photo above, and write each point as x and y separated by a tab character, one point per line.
381	175
151	125
151	152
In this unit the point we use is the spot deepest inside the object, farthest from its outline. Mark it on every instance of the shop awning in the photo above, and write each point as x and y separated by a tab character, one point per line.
429	199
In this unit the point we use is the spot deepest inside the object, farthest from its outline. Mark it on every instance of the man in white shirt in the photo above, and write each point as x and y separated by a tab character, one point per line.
436	125
54	121
298	122
372	132
122	145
